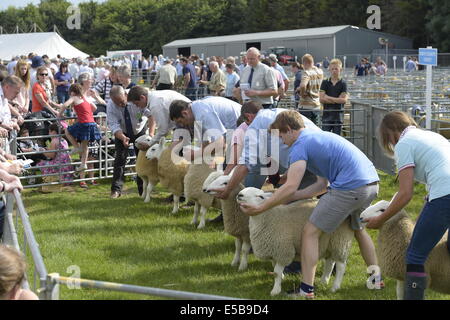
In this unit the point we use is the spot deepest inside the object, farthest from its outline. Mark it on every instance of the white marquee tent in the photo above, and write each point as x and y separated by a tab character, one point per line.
49	43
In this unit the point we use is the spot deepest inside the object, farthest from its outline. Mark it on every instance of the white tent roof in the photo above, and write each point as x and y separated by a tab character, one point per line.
49	43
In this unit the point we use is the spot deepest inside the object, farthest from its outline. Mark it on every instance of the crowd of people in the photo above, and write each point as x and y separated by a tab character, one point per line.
309	161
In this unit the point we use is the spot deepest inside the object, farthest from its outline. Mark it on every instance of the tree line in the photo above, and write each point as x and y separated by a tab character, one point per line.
149	24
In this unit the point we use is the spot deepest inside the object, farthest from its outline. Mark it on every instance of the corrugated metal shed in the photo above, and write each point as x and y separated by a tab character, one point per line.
285	34
334	41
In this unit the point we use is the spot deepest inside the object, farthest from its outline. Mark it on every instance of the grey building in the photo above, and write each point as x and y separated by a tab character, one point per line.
338	41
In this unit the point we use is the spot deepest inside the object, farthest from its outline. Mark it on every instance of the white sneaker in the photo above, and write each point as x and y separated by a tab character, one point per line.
82	167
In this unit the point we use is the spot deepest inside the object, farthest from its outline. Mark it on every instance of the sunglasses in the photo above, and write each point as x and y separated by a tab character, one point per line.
43	74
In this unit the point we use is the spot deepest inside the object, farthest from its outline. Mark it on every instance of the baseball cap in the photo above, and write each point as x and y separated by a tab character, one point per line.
37	61
273	57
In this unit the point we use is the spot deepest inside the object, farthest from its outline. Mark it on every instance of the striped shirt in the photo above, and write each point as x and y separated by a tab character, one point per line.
103	88
313	79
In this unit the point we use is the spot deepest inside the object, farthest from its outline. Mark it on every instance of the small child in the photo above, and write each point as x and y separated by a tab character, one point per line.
85	129
12	274
54	158
27	145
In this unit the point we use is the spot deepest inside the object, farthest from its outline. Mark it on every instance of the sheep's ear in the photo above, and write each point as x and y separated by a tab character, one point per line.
162	141
267	195
375	210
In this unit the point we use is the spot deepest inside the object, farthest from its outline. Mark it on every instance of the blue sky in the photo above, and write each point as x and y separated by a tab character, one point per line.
4	4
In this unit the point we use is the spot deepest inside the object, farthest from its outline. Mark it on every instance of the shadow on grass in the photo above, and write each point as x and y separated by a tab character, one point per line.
209	277
168	255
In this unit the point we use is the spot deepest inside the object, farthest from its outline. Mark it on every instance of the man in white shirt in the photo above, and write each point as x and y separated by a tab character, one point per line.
85	68
74	69
165	77
12	64
156	106
9	90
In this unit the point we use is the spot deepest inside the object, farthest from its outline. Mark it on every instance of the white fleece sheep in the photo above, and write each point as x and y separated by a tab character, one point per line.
235	222
276	234
171	170
193	189
147	170
393	240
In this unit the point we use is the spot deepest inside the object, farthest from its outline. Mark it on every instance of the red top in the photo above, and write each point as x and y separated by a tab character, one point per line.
84	112
36	106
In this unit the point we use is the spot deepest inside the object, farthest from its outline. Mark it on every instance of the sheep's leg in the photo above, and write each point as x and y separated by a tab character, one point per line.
176	204
147	192
196	209
278	270
327	270
400	289
144	187
244	261
203	211
237	252
340	271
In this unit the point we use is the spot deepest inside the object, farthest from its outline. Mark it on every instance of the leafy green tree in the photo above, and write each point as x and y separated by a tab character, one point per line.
149	24
439	24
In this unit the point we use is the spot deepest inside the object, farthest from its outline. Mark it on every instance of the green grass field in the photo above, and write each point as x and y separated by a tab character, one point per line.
128	241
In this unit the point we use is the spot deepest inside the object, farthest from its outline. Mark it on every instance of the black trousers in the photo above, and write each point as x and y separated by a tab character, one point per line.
120	160
164	86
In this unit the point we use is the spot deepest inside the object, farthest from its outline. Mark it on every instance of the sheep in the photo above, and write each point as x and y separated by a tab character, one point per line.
393	240
147	170
171	170
235	222
276	234
193	183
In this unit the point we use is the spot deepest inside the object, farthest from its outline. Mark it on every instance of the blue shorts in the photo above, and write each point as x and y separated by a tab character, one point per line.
85	131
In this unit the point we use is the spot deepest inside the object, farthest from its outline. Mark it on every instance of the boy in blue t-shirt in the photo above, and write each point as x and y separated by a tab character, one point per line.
353	184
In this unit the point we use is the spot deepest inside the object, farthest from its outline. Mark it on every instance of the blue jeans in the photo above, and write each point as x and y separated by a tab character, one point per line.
432	224
191	93
62	96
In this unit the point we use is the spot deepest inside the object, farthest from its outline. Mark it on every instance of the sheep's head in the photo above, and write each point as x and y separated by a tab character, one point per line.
154	152
252	196
215	180
375	210
143	142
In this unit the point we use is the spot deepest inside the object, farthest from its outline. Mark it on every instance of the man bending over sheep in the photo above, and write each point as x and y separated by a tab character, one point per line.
127	123
251	163
155	106
353	185
213	115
